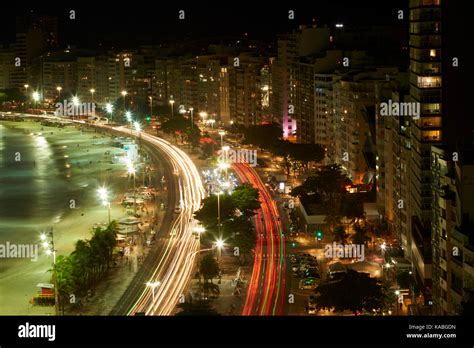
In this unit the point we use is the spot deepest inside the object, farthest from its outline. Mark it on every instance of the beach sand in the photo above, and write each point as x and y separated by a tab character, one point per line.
89	169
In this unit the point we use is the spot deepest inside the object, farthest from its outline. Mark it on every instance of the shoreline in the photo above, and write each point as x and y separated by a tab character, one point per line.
85	168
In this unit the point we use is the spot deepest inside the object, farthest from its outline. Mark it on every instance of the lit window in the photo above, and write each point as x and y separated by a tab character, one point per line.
432	53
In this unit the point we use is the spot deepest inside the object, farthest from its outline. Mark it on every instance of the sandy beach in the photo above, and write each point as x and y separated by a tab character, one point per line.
81	164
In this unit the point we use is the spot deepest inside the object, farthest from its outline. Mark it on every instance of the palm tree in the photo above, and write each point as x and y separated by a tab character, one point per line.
360	236
82	260
208	268
340	234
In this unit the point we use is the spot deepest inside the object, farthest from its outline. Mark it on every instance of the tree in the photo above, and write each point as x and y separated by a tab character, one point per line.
340	234
207	215
66	282
209	290
351	291
196	308
246	199
208	268
242	236
360	236
174	125
12	94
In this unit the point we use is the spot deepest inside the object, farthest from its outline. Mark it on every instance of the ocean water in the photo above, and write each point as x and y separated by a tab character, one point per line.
33	186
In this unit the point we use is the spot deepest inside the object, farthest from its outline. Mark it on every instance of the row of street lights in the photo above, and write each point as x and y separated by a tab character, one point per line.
36	95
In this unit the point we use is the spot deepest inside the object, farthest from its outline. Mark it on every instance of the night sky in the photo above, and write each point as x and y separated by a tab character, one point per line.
129	23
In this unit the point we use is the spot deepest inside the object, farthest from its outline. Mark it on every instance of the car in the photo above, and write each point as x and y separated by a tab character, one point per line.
311	310
308	284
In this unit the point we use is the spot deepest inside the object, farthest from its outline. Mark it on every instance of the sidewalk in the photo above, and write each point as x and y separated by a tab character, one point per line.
229	301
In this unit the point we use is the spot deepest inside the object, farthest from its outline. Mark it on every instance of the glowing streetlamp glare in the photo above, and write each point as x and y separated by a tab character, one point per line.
128	115
103	193
75	100
92	90
59	88
219	244
48	252
109	108
221	133
36	96
137	126
225	148
45	244
43	236
124	93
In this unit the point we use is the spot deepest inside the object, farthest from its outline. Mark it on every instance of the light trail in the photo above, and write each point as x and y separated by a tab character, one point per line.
174	268
265	292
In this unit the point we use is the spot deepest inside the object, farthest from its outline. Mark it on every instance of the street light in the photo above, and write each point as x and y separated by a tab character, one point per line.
36	96
171	103
59	88
50	250
92	90
192	118
128	115
137	126
219	246
153	286
151	106
224	166
75	100
110	109
26	88
218	193
222	133
124	93
131	170
103	194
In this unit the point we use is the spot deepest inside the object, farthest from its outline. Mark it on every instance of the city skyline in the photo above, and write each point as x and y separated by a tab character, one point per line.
210	160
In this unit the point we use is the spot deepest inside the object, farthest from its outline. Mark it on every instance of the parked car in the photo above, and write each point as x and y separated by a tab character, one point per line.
308	284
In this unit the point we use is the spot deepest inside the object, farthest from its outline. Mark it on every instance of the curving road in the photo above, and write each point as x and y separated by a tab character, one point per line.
173	268
173	264
266	288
